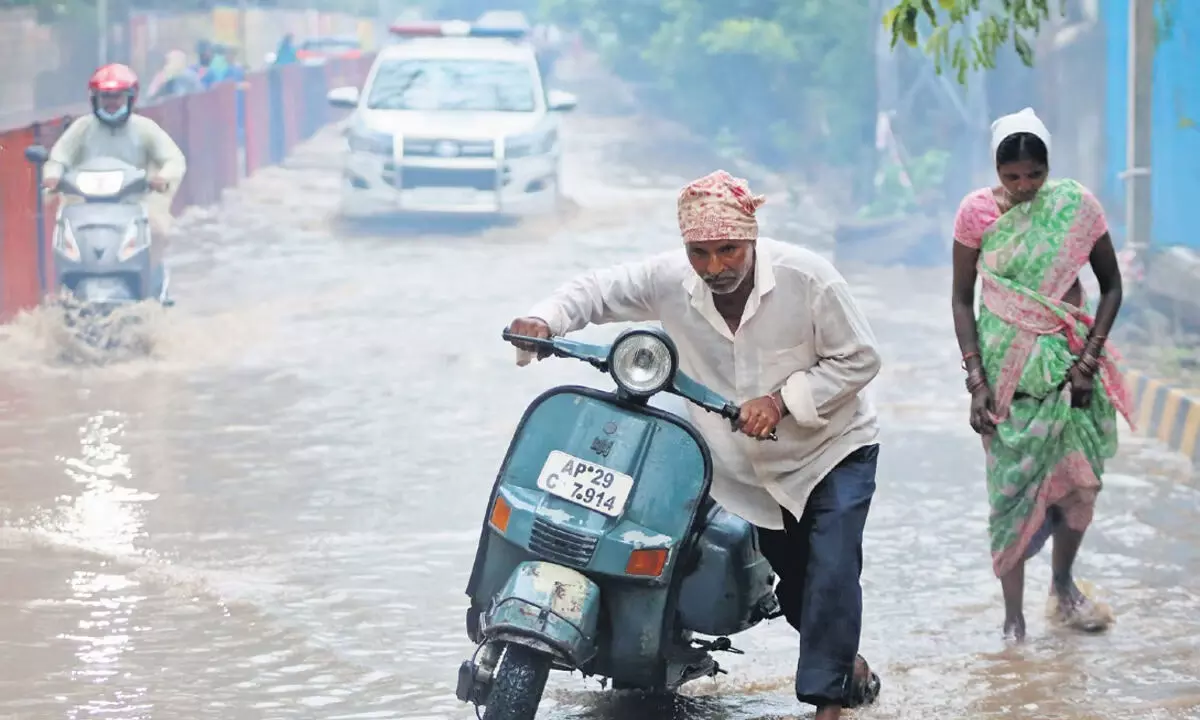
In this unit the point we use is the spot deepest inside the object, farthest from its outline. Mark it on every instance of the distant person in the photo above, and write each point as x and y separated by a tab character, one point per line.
235	72
218	69
1045	391
113	130
547	41
175	78
285	54
204	56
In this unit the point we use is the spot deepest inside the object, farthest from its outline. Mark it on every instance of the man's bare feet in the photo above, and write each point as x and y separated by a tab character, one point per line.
828	712
1014	628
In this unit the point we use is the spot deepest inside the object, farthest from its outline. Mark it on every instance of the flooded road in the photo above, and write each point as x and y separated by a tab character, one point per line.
275	516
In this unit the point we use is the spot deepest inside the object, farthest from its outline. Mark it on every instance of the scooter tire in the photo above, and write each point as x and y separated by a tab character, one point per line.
519	683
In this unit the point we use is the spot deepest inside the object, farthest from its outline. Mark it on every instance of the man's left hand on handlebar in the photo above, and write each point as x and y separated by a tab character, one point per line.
760	416
158	184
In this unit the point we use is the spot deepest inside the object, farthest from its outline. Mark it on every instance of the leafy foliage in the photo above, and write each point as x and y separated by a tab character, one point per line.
953	43
787	81
1017	20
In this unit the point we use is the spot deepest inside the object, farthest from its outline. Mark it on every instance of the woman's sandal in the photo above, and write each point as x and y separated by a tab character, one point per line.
1089	615
864	689
1086	616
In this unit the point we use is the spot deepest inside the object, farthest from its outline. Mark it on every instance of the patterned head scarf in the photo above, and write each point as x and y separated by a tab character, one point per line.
718	206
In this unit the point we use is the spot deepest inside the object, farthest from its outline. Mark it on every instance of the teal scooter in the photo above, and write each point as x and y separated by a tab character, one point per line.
601	550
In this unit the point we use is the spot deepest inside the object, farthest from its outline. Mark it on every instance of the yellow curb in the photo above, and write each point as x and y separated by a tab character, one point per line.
1167	413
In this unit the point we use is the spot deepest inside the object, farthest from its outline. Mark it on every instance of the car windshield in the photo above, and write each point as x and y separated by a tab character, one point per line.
453	85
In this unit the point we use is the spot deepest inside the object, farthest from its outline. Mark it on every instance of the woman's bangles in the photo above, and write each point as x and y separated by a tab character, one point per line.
976	378
1088	362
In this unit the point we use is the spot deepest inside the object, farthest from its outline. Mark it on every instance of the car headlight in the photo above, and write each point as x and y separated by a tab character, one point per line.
64	241
516	146
137	239
642	362
369	141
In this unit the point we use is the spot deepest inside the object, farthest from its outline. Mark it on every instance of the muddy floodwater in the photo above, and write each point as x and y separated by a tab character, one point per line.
274	516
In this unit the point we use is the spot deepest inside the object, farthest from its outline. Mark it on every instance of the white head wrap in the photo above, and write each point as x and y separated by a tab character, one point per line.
1025	121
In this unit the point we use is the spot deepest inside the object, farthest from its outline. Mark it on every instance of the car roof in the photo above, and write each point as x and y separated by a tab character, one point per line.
459	49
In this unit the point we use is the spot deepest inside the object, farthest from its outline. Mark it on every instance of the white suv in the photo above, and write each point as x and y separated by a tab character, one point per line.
452	119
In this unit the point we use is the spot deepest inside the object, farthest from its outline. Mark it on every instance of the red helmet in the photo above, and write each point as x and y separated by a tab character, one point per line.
115	79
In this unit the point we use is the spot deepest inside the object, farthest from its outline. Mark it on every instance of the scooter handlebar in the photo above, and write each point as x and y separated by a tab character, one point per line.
729	411
545	346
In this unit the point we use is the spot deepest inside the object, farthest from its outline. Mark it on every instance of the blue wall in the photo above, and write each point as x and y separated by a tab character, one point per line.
1175	177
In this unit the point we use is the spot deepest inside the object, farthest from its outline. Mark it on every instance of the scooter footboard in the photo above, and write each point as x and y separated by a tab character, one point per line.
550	604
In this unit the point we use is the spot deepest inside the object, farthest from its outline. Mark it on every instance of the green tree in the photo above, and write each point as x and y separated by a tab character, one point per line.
787	81
950	44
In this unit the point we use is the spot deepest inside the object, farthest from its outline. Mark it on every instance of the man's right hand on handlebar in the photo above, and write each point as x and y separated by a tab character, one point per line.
529	327
50	183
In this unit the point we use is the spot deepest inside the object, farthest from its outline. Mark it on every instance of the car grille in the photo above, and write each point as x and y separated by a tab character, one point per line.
421	147
561	545
423	177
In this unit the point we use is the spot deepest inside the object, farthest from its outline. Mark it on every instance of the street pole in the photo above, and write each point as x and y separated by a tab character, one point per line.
102	23
1139	142
243	51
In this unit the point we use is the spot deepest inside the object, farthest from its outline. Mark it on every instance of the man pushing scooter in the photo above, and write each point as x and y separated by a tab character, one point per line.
774	328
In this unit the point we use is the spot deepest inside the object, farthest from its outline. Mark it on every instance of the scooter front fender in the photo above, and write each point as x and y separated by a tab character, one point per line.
547	604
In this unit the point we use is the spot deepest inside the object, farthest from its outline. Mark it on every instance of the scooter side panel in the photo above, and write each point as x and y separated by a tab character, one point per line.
731	585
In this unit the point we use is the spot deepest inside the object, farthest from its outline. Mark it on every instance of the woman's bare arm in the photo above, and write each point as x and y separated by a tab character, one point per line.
962	301
1108	272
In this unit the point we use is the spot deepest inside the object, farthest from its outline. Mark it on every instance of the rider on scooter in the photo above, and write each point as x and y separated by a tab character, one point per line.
113	130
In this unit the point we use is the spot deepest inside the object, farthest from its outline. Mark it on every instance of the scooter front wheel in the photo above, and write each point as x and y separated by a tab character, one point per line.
518	685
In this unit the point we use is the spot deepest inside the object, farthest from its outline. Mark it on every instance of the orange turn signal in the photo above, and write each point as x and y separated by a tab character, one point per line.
647	562
501	512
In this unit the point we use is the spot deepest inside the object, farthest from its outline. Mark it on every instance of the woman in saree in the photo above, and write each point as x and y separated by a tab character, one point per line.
1045	388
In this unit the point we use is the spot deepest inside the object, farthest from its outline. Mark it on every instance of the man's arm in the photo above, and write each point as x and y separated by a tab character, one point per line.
624	293
66	150
164	152
847	358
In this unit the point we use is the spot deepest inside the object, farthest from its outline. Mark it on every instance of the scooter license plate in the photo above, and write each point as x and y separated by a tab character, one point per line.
585	483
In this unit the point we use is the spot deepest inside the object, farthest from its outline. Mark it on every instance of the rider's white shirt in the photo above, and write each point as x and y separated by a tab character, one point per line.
801	331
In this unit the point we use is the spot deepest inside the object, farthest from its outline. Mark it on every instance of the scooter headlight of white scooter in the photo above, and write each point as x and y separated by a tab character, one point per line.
100	183
642	362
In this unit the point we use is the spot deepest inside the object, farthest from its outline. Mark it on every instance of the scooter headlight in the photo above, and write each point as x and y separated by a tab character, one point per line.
64	241
137	238
100	184
642	362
